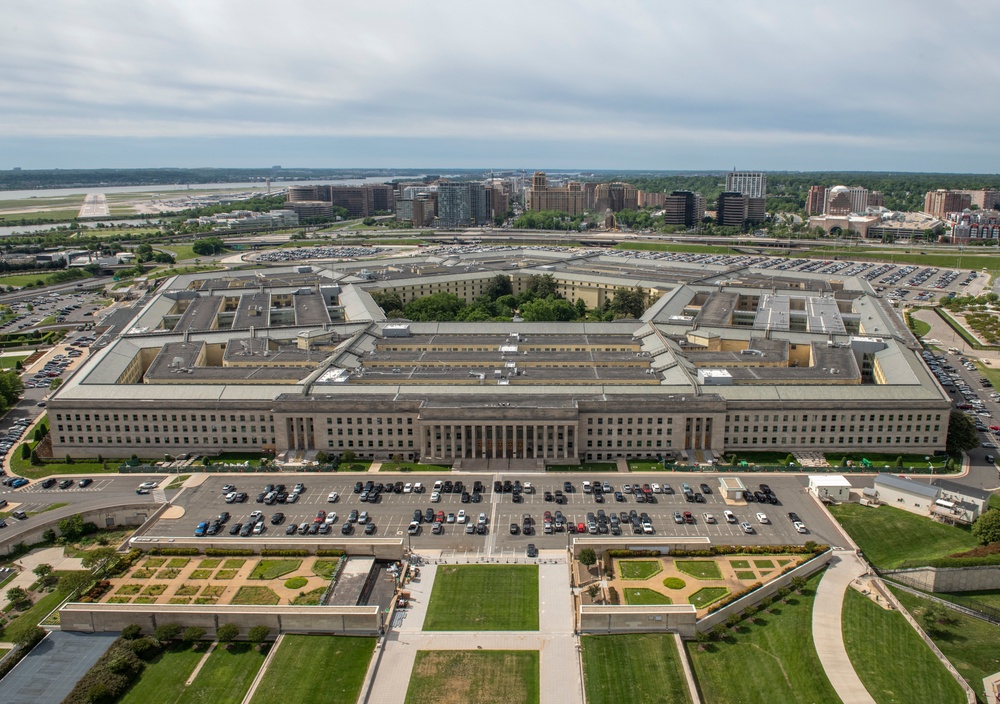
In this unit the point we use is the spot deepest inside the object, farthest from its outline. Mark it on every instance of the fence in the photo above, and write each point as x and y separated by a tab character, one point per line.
923	583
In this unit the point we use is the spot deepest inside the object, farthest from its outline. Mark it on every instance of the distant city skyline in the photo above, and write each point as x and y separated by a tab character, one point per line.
568	85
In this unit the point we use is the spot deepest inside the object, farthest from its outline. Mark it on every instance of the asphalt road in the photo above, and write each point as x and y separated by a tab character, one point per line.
394	511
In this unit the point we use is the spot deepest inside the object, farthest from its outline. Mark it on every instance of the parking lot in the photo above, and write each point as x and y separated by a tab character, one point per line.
393	512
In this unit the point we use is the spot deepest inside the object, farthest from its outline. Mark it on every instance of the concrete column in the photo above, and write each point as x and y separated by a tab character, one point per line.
576	443
454	441
562	445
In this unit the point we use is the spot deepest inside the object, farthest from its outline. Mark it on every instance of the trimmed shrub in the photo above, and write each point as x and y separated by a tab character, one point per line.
228	552
115	671
330	553
674	583
175	551
296	583
284	553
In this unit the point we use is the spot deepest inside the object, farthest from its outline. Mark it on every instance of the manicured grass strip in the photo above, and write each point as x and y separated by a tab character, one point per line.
201	574
707	595
764	564
484	598
260	596
164	676
745	574
272	569
310	598
890	536
771	660
288	681
874	637
225	677
645	597
233	563
639	569
210	563
972	646
638	669
740	564
699	569
480	676
674	583
974	600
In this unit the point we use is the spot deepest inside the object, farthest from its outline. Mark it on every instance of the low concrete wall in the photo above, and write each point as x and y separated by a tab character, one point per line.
665	545
344	620
679	618
379	548
804	570
113	517
948	579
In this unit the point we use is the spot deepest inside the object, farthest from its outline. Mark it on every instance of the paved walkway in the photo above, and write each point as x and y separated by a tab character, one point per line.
828	635
555	641
51	556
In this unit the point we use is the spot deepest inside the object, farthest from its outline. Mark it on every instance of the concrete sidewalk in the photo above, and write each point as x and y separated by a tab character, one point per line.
827	633
51	556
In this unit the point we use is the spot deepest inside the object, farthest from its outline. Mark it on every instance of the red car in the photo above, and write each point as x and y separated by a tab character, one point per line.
688	518
439	518
320	517
580	528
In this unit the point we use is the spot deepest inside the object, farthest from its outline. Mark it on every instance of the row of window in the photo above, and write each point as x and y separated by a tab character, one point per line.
162	417
850	440
165	440
833	429
628	443
628	431
628	421
870	418
350	431
81	427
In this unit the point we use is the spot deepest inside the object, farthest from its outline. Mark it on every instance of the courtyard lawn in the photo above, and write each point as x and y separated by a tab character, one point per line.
639	569
255	596
290	681
225	677
583	467
413	467
480	676
699	569
28	619
10	361
891	537
707	595
767	458
771	660
325	568
272	569
645	597
484	598
619	669
874	637
972	646
164	676
974	600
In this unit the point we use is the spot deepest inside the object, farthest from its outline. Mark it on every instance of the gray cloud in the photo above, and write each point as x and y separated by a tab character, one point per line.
782	80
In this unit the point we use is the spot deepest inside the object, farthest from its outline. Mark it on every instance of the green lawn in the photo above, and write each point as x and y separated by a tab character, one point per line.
256	596
707	595
874	637
771	660
31	617
325	568
54	215
583	467
413	467
890	537
973	599
225	677
484	598
474	676
180	251
272	569
883	460
644	597
972	646
25	469
291	680
637	669
991	374
699	569
163	677
771	458
639	569
919	327
10	361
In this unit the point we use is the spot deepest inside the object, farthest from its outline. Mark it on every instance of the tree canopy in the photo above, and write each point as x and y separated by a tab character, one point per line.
986	529
962	434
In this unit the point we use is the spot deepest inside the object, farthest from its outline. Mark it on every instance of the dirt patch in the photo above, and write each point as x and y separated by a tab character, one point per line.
459	677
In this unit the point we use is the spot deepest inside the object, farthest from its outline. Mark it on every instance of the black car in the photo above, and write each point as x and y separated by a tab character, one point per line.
793	517
235	529
568	487
515	529
477	486
84	483
772	499
547	496
65	483
418	516
246	530
370	529
268	488
517	498
497	487
291	529
481	529
224	516
532	550
346	528
476	497
282	497
748	496
760	497
260	497
706	489
429	515
765	488
458	488
277	519
699	498
466	498
48	483
352	517
358	486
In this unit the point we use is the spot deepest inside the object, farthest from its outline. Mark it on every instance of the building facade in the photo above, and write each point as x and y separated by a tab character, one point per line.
567	199
749	183
941	202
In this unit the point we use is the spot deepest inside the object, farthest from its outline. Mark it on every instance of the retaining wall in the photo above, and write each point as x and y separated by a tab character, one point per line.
948	579
378	548
104	518
342	620
679	618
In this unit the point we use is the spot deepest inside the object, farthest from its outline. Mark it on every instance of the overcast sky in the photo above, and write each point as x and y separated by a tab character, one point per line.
785	84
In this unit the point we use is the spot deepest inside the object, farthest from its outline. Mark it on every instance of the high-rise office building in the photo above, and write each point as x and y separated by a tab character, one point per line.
359	201
616	197
815	200
464	204
566	199
683	208
732	209
749	183
942	201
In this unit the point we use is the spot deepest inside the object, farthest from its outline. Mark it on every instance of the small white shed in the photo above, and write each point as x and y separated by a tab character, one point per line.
831	486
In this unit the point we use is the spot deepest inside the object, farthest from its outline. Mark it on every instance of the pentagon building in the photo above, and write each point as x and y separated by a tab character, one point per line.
299	360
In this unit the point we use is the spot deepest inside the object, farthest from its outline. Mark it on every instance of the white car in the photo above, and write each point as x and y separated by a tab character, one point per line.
332	497
800	526
435	497
331	518
231	497
407	488
528	488
762	518
747	528
437	485
709	518
259	528
461	516
149	485
730	516
418	488
657	489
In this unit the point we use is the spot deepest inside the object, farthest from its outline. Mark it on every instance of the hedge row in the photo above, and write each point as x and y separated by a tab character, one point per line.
115	672
632	553
613	596
228	552
946	562
330	553
175	551
285	553
21	650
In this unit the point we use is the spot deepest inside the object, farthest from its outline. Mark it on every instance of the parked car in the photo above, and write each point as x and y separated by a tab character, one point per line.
762	518
730	516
